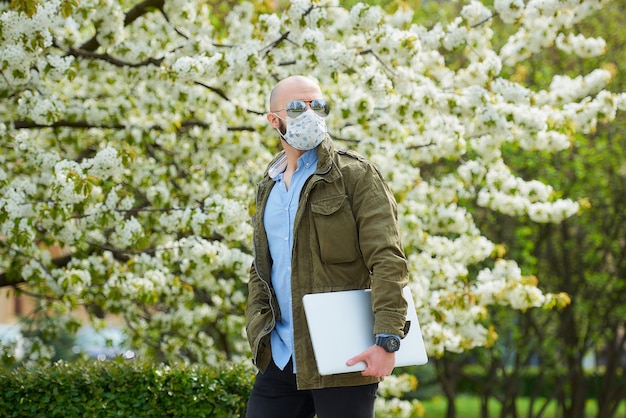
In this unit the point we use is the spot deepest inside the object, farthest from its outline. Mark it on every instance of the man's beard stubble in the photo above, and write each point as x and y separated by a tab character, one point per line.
282	127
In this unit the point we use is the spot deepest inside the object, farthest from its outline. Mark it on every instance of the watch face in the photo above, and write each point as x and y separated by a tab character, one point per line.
389	344
393	345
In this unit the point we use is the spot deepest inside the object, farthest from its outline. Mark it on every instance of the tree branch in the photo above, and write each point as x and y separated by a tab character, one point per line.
5	280
78	52
22	124
221	93
141	9
283	37
385	66
132	15
81	124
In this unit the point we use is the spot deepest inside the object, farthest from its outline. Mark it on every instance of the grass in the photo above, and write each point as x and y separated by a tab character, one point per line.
469	407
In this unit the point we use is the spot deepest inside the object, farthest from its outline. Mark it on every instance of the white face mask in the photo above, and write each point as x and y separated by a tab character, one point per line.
306	131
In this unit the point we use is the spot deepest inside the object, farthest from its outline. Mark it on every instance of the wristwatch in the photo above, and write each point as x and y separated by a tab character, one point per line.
391	343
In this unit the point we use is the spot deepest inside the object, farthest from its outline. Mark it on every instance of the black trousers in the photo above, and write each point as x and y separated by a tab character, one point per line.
275	395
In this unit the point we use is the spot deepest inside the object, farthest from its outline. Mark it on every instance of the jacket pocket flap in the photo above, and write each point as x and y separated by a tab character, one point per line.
329	205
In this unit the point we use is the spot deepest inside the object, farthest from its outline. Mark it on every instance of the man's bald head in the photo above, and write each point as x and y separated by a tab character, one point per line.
296	87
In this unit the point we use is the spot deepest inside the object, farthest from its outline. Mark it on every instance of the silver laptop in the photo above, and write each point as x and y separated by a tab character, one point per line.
341	326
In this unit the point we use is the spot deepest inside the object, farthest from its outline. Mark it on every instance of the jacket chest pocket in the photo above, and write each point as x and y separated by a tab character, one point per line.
336	229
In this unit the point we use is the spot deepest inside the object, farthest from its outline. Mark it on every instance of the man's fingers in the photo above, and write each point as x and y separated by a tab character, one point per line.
355	360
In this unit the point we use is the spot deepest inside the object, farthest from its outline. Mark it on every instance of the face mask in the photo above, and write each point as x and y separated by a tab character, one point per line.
306	131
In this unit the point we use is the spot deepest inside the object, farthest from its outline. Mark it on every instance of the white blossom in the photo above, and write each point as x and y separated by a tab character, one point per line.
475	13
105	164
509	10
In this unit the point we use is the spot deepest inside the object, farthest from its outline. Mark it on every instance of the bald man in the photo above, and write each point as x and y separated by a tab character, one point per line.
325	221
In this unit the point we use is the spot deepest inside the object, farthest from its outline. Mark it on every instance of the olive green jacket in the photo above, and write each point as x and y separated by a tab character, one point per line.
345	237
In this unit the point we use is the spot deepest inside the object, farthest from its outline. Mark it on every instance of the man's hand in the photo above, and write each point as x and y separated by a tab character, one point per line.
378	362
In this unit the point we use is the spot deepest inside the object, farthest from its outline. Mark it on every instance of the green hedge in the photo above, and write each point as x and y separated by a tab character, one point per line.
123	388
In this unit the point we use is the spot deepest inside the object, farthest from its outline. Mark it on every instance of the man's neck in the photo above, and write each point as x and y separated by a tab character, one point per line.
293	155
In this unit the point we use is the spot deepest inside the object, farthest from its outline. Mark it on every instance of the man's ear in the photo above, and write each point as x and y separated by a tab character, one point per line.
273	120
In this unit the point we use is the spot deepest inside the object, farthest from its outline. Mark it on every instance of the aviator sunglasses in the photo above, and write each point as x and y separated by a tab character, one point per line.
297	107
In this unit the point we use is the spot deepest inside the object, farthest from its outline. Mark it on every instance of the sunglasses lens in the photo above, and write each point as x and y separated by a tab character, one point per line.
321	107
295	108
298	107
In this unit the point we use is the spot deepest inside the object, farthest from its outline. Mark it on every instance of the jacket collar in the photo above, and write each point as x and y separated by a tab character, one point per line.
325	151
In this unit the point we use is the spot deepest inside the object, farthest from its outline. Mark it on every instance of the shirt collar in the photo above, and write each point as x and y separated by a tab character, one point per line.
309	157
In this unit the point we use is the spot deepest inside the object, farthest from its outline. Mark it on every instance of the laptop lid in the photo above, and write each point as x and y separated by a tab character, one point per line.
341	326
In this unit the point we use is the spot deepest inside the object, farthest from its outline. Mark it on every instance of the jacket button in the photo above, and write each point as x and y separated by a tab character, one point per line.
267	327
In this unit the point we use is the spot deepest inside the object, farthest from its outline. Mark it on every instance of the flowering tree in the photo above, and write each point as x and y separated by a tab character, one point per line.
133	134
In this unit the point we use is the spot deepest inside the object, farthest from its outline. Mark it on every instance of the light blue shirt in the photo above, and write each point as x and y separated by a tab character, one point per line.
279	217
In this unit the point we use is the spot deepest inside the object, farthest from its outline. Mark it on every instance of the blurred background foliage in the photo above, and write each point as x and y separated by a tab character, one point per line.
577	353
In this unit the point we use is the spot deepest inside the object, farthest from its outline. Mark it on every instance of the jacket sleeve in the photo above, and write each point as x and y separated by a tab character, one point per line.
375	212
258	303
259	320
